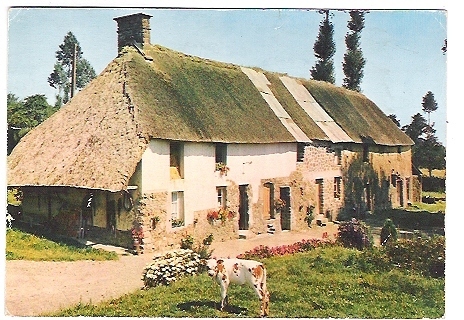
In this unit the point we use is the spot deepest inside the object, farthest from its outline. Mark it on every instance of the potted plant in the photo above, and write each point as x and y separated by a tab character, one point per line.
137	238
223	214
279	204
222	168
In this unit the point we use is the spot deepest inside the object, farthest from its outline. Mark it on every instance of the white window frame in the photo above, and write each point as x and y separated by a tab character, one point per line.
221	193
177	206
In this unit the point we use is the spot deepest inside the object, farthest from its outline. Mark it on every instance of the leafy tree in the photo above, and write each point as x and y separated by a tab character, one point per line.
394	119
417	128
354	61
428	152
324	50
24	115
429	104
61	76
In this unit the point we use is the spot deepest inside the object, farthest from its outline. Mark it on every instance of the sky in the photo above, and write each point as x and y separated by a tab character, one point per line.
402	47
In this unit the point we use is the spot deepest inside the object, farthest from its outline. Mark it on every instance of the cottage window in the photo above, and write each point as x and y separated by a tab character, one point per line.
221	197
300	152
177	208
221	153
176	160
337	187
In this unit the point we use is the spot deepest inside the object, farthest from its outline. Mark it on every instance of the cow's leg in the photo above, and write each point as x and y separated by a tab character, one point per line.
224	286
265	304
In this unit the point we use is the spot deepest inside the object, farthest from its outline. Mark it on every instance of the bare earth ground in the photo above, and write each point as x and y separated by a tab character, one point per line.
33	288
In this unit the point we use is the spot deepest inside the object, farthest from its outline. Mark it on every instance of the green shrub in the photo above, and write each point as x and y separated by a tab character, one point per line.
421	254
187	242
388	233
354	234
202	249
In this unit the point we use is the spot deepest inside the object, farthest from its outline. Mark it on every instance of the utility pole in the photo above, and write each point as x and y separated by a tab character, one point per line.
73	77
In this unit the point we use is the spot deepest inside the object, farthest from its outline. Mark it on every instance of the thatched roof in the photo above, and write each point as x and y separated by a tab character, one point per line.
92	142
97	139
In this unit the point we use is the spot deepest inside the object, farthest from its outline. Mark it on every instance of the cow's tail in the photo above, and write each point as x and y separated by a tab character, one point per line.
265	294
264	280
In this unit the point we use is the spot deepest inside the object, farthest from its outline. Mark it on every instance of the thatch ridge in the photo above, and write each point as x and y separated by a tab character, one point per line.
358	116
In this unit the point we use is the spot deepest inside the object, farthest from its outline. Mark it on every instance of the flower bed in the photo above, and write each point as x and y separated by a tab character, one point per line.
300	246
167	268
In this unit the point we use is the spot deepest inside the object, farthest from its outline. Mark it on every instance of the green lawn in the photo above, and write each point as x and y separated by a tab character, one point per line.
331	282
25	246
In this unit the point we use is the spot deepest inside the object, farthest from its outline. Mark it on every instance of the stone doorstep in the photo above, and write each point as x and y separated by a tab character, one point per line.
244	234
321	220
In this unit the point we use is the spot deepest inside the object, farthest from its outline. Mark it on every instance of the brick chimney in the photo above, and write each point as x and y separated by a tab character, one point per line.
134	28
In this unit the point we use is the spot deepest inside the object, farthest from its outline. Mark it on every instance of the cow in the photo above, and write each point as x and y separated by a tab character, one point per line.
240	271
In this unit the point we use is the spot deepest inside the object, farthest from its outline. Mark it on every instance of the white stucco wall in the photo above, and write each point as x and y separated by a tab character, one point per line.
155	167
248	163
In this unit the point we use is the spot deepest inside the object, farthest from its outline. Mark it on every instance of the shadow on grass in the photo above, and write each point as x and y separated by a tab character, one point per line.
189	306
46	233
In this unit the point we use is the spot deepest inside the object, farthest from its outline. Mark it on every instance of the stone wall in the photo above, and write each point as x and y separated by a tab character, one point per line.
161	235
321	162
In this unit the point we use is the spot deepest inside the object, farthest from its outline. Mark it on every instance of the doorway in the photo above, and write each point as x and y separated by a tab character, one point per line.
399	185
268	201
244	217
111	214
320	196
285	213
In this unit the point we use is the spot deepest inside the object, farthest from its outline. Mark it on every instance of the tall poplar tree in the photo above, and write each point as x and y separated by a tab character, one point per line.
61	76
324	50
353	63
429	104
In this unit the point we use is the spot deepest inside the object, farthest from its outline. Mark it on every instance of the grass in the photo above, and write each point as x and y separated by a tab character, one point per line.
438	206
25	246
331	282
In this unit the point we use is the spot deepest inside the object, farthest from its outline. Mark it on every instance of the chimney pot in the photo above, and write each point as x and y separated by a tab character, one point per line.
134	28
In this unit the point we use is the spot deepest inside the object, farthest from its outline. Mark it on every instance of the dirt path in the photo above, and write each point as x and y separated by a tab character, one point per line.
33	288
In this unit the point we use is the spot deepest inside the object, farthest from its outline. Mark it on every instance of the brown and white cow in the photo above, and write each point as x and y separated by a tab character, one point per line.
239	271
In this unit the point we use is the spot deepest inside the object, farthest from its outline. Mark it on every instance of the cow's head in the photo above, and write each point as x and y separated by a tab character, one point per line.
214	267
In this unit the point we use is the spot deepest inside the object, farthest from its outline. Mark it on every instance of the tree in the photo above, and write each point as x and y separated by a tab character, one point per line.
354	61
395	120
417	128
24	115
324	50
429	104
61	77
429	153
